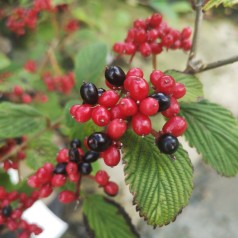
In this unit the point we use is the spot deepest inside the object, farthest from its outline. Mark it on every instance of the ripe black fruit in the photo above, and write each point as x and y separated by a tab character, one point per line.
60	168
85	168
167	143
74	155
7	211
89	93
115	75
75	143
163	100
99	141
91	156
101	91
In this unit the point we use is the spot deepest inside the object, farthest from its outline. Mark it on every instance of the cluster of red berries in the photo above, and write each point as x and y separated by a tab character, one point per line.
27	97
151	36
71	165
107	108
63	84
30	66
23	19
71	26
12	206
13	161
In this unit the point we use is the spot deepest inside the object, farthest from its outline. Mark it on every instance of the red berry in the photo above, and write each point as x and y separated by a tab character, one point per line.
168	40
116	113
145	49
186	45
186	33
63	156
46	190
130	49
128	81
111	189
173	109
139	88
149	106
33	181
135	72
155	77
73	109
165	84
141	124
108	99
139	23
67	196
140	36
156	48
155	20
101	116
179	90
152	35
83	113
119	47
128	107
175	125
17	90
71	168
26	98
111	156
102	178
58	180
74	178
116	129
43	175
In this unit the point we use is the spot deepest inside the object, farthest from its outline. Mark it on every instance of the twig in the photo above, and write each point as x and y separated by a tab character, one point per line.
154	61
197	26
214	65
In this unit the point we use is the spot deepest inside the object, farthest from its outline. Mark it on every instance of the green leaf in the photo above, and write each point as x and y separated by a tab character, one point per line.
105	218
193	85
161	186
41	151
17	120
4	61
90	62
215	3
214	133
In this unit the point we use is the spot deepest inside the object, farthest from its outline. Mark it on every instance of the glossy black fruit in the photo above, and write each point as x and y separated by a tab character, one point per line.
101	91
75	143
163	100
99	141
85	168
60	168
7	211
115	75
167	143
74	155
91	156
89	93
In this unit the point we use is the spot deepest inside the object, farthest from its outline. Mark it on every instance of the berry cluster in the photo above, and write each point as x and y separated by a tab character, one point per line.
151	36
12	206
63	84
13	161
23	19
30	66
71	26
27	97
71	164
107	108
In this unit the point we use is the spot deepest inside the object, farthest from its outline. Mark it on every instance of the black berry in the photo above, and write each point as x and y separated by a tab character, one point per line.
163	100
60	168
89	93
7	211
91	156
74	155
85	168
99	141
115	75
101	91
167	143
75	143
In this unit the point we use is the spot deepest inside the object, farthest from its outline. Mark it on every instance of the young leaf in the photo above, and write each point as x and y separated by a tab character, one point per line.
214	133
215	3
161	186
41	151
193	85
90	62
4	61
17	120
105	218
